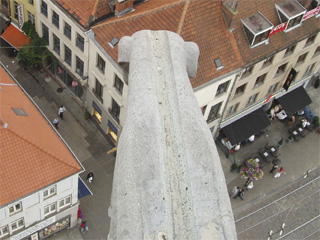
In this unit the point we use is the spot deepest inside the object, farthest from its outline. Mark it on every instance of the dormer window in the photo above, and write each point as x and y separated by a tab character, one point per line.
291	12
257	29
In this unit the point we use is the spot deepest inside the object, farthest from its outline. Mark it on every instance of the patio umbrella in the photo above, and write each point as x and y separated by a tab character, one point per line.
276	161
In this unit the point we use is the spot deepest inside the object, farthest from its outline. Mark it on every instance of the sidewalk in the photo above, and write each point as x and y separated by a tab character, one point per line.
90	146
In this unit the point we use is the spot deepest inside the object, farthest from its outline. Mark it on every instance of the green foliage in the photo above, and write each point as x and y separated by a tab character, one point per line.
35	52
234	166
281	142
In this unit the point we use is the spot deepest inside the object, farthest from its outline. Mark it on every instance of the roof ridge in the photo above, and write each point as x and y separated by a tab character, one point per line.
40	148
183	16
94	10
147	12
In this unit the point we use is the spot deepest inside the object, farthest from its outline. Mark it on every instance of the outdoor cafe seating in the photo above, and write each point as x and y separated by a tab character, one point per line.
265	155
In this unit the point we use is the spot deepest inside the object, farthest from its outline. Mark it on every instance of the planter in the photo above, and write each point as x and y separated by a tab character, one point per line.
234	167
86	115
280	143
290	139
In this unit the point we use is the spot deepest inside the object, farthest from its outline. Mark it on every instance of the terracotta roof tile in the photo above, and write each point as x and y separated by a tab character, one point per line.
32	155
198	21
277	41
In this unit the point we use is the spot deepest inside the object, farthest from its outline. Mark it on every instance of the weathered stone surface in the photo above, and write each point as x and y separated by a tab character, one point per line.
168	180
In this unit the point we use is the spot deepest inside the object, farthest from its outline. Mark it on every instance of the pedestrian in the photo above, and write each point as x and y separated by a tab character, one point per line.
90	177
84	227
240	194
61	111
274	167
235	191
56	122
247	182
250	185
278	174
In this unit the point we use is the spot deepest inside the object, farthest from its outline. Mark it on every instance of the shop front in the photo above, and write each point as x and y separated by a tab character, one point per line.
112	132
44	229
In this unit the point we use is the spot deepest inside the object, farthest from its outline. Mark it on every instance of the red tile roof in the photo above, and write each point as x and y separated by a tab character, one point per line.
83	10
198	21
32	156
277	41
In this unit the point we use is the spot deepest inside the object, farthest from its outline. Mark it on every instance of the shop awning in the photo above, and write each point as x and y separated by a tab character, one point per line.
294	100
15	37
83	190
246	126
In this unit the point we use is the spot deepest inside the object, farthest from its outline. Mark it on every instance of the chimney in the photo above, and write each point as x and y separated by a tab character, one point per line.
229	12
123	6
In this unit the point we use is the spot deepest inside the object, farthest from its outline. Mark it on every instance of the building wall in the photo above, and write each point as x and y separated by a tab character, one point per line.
64	41
110	92
33	206
272	77
29	6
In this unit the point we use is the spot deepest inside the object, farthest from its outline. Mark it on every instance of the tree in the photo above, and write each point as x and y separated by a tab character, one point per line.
34	53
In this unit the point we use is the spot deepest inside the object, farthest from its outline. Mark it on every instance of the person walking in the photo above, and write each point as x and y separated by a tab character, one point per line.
250	185
62	109
278	174
274	167
90	177
84	227
235	191
240	194
56	122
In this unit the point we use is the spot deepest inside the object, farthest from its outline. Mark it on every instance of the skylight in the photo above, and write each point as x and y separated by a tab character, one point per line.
114	42
218	63
19	112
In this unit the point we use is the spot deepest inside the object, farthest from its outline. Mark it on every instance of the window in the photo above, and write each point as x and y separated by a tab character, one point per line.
67	30
260	80
67	55
273	88
290	50
310	40
233	108
16	10
317	51
281	69
31	2
65	202
214	112
252	98
222	88
294	22
16	225
241	89
55	19
30	17
101	63
44	8
203	109
247	72
302	58
45	32
51	208
99	90
218	63
309	69
257	29
267	61
4	231
118	84
49	192
5	4
15	208
80	42
115	109
56	44
79	66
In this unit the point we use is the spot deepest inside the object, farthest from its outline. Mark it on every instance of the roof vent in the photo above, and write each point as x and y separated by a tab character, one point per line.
19	112
113	42
218	63
5	125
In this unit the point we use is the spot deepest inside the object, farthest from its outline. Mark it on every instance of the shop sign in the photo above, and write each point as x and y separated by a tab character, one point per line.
311	13
33	229
278	28
20	15
268	99
289	79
